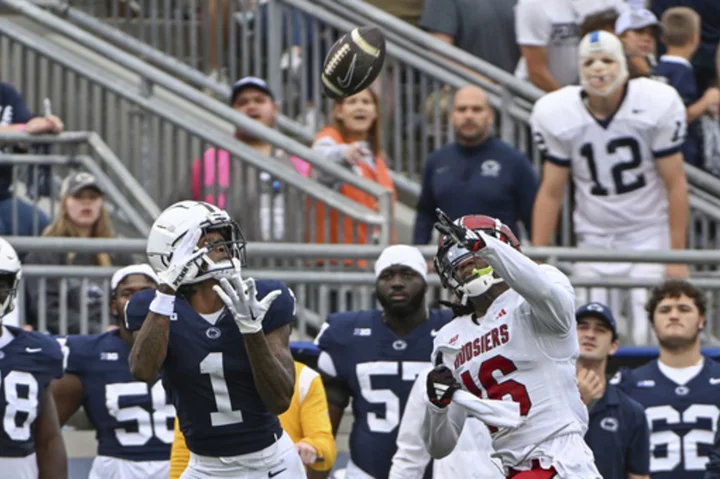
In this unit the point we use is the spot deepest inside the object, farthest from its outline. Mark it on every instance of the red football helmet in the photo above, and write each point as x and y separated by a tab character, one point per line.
451	255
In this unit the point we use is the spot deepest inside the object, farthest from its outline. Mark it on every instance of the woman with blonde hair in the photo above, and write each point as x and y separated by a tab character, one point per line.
82	215
352	139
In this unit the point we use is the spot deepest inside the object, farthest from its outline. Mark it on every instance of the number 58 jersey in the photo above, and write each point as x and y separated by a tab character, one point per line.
617	185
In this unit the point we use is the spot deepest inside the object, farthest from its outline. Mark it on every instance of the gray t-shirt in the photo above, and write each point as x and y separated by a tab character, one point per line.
485	28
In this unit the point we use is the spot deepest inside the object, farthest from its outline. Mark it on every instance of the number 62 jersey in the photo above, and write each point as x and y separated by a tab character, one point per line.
617	185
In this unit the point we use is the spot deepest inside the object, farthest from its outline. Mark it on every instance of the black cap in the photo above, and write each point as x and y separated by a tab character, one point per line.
79	181
250	82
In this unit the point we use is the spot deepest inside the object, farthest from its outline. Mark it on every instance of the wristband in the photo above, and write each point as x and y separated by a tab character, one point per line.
163	304
20	128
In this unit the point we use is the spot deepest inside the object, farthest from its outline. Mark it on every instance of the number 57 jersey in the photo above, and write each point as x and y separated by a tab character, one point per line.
511	355
613	161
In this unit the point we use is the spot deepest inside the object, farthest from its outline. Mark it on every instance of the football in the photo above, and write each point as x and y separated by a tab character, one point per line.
353	62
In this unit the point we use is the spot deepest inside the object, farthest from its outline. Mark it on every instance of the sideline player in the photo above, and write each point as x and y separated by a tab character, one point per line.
31	444
518	342
374	357
133	420
621	141
222	344
618	430
681	389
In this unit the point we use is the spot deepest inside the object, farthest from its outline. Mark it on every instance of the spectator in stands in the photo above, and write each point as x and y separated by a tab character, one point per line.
548	33
406	10
82	215
703	61
484	28
681	37
306	421
679	389
618	430
263	211
602	20
15	116
352	140
477	174
639	30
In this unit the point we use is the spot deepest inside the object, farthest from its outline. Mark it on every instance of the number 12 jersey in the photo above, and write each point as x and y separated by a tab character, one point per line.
617	185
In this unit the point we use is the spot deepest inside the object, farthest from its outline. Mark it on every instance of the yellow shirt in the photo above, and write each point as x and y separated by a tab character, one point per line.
305	420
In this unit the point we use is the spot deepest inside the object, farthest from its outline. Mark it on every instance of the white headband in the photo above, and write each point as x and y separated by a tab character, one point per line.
123	273
401	255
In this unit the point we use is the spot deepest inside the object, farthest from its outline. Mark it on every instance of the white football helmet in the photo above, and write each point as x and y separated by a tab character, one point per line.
184	218
603	66
11	273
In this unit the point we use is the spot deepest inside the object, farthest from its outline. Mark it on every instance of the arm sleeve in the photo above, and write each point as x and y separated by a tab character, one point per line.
315	421
330	149
282	310
54	357
20	111
411	458
137	309
546	290
425	217
179	454
532	25
526	189
550	145
670	132
638	454
441	428
440	16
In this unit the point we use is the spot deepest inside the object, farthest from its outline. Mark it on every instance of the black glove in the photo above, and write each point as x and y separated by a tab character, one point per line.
467	238
441	385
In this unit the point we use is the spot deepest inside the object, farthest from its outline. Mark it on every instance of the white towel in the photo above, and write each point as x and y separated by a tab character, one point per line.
491	412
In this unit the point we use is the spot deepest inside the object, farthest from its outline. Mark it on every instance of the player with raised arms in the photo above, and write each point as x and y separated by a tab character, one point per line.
221	343
513	339
31	444
621	141
133	420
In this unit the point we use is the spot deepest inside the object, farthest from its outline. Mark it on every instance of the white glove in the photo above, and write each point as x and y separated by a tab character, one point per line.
182	262
241	300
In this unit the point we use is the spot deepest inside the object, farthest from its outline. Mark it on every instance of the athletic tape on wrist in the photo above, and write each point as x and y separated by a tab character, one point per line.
163	304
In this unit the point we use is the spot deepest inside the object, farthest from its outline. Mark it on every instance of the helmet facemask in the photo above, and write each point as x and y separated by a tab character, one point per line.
9	283
464	272
233	260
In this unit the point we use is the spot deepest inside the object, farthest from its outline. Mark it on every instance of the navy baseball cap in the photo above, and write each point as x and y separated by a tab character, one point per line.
600	311
250	82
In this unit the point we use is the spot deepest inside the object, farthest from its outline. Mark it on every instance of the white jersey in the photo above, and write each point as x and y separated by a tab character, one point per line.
617	185
524	350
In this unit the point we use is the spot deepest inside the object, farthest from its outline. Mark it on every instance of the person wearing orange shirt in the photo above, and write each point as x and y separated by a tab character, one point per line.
306	421
352	140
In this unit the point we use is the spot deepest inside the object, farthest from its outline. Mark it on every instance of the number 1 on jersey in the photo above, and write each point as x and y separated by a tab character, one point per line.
224	416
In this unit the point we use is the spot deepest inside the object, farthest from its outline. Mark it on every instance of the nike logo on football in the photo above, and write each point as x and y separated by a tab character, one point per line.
273	474
345	82
33	350
714	381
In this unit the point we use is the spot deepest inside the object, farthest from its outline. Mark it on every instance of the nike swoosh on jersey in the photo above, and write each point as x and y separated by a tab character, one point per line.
275	473
434	332
33	350
714	381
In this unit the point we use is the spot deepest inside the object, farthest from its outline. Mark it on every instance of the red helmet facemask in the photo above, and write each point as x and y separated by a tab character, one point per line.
451	256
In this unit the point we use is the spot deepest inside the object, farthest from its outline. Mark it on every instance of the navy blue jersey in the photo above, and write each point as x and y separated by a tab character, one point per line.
133	421
679	74
379	368
209	378
28	363
682	418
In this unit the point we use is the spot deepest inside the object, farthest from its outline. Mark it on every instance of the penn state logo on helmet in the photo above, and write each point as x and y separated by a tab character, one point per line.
186	217
10	275
451	258
603	67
